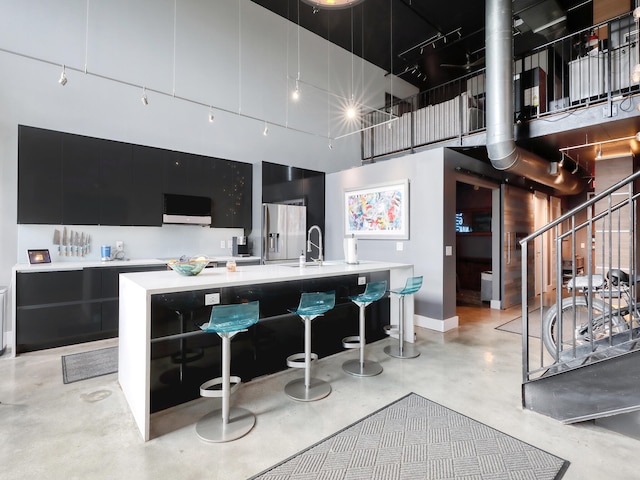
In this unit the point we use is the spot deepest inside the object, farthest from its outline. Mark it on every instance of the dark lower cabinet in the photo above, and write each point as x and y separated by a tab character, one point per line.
66	307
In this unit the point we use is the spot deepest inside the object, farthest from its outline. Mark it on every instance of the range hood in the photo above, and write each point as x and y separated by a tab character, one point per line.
186	209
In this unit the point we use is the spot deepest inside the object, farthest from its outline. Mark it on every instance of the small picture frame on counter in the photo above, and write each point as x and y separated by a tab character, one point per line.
37	256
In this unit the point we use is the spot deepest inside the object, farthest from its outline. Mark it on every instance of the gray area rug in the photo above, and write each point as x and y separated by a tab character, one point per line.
515	325
415	438
81	366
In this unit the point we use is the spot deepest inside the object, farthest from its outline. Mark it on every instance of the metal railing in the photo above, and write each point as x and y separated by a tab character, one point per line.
578	70
593	312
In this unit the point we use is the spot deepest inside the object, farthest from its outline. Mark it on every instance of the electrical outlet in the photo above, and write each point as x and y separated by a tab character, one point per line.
222	243
211	298
362	280
399	246
119	246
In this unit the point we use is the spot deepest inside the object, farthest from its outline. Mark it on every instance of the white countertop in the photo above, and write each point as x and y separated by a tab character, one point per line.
78	264
170	281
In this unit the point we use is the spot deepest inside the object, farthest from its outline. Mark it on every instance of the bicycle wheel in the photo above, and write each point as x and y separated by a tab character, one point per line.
580	334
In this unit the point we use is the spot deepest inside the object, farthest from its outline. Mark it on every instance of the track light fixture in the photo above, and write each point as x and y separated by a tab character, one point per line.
144	99
211	117
265	132
63	77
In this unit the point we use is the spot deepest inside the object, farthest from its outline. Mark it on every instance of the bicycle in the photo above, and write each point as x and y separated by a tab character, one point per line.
606	319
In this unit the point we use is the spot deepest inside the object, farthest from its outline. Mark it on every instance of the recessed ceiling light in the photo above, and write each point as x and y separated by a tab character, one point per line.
332	3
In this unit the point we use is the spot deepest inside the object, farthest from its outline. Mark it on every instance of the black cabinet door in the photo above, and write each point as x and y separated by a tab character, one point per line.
147	175
242	184
176	174
57	308
39	176
117	194
81	180
222	193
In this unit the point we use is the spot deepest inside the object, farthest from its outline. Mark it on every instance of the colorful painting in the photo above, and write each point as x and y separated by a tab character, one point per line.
380	211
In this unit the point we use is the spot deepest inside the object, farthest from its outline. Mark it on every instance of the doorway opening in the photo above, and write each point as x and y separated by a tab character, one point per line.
474	244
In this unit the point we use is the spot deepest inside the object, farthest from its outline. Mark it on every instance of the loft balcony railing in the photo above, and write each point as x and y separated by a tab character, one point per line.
579	70
593	314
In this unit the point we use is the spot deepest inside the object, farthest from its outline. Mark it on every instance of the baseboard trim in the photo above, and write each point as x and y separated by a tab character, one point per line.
435	324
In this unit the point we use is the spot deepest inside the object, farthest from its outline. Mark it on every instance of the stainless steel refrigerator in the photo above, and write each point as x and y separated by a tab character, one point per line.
284	230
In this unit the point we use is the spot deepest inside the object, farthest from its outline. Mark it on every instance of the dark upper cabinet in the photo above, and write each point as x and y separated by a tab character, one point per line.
81	185
78	180
117	194
39	176
147	175
222	212
243	195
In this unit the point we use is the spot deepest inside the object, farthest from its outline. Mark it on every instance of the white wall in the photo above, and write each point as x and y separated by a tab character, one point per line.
233	55
425	248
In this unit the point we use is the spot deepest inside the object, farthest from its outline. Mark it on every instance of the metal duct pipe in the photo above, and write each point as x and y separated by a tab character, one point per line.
501	145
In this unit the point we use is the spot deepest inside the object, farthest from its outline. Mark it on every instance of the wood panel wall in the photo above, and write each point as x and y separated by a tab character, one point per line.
518	211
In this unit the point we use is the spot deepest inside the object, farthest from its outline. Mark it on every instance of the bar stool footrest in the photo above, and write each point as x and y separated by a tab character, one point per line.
391	329
206	389
351	342
297	360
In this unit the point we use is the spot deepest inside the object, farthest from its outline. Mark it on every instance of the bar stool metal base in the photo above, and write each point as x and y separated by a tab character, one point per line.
317	389
408	351
367	368
211	427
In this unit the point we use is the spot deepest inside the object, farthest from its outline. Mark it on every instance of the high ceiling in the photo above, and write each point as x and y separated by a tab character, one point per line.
429	42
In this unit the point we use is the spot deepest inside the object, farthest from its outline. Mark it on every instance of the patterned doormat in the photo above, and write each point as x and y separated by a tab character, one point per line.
415	438
81	366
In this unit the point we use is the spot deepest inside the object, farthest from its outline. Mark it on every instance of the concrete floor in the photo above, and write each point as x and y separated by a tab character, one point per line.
84	430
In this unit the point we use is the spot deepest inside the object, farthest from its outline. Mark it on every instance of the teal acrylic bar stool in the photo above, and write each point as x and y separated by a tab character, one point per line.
308	389
227	423
403	349
361	367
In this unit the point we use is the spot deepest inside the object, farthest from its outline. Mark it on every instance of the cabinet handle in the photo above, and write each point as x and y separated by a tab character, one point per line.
508	248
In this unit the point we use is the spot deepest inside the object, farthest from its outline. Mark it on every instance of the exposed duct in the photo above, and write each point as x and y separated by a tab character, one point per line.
501	145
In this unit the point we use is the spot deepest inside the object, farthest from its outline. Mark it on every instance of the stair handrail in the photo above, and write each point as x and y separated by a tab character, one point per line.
571	214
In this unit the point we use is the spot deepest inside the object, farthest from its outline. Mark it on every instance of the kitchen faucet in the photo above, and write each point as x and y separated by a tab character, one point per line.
319	246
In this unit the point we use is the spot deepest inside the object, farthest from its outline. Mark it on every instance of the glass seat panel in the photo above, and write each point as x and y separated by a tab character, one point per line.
232	318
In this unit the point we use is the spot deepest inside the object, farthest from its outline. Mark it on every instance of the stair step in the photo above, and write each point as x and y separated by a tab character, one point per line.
593	390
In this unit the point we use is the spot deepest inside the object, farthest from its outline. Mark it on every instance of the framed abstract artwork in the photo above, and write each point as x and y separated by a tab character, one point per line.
379	211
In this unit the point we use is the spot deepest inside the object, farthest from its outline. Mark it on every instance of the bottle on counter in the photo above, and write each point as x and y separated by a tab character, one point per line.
302	260
231	266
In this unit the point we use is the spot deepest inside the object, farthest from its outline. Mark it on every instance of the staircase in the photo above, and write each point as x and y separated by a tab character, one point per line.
583	361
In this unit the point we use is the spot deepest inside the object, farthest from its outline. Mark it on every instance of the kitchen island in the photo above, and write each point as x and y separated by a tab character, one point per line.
163	355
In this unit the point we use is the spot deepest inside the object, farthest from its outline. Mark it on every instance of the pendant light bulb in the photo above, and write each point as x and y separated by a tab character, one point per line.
351	111
144	99
63	77
296	93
